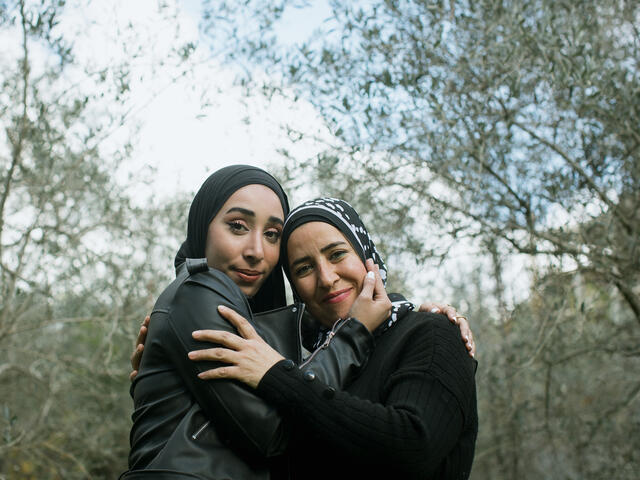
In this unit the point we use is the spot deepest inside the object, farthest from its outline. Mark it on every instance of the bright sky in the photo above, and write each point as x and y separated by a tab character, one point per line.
191	126
202	122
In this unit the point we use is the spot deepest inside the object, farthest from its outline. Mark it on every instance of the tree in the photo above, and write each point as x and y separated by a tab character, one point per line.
513	125
78	256
507	120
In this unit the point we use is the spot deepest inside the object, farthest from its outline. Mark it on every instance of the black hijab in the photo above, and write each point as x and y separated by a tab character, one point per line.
342	216
213	193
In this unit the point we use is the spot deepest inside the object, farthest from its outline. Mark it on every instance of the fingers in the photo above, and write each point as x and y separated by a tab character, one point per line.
368	285
432	307
220	372
142	334
379	287
245	329
451	313
136	357
133	375
444	308
467	334
220	337
214	354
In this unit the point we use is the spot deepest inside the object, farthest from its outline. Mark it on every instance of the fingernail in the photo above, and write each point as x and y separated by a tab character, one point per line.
435	310
221	307
196	333
371	275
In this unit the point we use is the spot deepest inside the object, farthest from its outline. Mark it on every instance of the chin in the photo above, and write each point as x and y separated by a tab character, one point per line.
249	292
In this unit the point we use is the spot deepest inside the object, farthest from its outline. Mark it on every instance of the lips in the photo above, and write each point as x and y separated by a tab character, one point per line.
248	275
337	296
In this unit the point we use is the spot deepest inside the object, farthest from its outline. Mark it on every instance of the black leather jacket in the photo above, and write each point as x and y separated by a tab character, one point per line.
184	427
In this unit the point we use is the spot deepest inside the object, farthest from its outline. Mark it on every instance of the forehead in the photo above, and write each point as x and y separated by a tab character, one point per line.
313	236
257	198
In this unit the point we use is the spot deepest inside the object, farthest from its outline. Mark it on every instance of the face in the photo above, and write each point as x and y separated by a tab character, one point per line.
325	270
243	240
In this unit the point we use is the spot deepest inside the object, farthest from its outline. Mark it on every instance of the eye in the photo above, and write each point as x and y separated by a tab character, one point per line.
302	270
237	227
273	236
337	255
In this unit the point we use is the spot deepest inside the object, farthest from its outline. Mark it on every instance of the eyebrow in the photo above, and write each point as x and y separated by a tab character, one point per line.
251	213
322	250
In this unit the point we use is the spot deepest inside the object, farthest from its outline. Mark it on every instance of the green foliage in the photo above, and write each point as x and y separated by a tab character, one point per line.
511	120
510	126
554	388
78	258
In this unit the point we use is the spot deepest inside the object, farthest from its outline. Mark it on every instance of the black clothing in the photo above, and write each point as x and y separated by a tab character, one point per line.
213	193
411	413
171	436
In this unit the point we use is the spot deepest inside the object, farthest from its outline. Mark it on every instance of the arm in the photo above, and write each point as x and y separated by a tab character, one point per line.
246	421
336	362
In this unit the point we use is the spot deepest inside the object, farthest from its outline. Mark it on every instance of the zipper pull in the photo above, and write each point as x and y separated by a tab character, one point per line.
327	340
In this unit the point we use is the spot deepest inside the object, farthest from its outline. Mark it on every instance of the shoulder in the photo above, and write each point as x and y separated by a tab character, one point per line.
437	339
198	285
208	289
436	327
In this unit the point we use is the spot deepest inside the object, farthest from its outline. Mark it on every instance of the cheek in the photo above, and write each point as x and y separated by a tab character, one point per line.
272	254
305	289
358	272
221	250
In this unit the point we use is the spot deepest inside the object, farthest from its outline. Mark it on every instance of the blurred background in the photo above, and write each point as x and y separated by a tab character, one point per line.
492	147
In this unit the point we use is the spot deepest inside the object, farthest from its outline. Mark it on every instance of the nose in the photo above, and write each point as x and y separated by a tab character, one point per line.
327	275
254	250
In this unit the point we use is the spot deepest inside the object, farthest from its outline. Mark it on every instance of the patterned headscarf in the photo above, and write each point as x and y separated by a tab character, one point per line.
213	193
342	216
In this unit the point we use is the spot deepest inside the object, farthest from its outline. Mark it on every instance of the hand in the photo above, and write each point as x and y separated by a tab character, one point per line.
455	317
372	306
136	356
249	356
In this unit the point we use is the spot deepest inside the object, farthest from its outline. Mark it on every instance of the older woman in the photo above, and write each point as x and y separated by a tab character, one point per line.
411	412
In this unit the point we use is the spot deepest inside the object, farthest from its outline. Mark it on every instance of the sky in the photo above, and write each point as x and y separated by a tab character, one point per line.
192	126
201	122
187	126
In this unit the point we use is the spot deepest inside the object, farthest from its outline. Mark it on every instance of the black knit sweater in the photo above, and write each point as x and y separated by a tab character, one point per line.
410	414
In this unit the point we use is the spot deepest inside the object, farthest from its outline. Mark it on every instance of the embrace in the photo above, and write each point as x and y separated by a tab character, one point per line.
348	382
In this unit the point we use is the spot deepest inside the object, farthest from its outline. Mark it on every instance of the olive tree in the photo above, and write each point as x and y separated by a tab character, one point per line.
78	256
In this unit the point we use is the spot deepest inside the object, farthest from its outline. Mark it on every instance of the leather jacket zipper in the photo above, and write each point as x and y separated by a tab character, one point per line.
200	430
336	326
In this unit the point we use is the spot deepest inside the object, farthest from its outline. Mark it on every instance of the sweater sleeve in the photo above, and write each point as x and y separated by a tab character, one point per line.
413	427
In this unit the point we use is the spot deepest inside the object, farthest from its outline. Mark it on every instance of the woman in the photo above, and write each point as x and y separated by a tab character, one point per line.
411	412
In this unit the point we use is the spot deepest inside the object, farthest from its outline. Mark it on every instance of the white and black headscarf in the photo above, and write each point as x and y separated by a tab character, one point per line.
342	216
